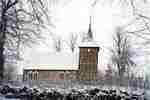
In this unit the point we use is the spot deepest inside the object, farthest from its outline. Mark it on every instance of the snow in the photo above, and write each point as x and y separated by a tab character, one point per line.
53	67
89	44
52	61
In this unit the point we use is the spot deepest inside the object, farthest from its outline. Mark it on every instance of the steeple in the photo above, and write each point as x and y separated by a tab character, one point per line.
90	33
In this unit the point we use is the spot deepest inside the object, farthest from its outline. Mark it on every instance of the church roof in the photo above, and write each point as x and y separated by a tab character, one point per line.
88	44
90	33
52	67
88	41
52	61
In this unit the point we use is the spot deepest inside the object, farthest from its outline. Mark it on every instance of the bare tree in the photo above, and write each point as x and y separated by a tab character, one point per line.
57	44
10	71
109	74
143	28
87	36
72	41
84	36
20	23
122	53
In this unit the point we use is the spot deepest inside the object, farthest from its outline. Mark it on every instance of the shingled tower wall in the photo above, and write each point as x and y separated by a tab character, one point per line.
88	61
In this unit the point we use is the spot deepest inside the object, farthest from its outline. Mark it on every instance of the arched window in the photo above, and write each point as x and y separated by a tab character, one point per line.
33	75
25	77
30	75
36	75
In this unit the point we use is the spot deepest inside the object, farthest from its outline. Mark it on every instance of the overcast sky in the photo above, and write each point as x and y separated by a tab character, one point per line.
72	16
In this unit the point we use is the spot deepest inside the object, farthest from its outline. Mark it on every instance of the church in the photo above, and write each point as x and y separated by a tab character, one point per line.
80	66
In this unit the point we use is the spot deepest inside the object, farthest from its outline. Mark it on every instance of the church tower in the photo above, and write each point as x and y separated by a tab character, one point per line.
88	58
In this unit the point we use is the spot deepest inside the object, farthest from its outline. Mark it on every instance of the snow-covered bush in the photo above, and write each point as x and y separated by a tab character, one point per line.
59	91
10	71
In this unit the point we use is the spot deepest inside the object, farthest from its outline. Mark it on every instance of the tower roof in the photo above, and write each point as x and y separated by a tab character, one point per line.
90	33
89	44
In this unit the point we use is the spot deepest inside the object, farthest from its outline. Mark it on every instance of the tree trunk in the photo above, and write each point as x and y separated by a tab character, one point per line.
1	60
119	74
3	26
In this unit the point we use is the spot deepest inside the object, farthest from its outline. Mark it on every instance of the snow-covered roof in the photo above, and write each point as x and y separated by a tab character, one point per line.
52	61
88	44
53	67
